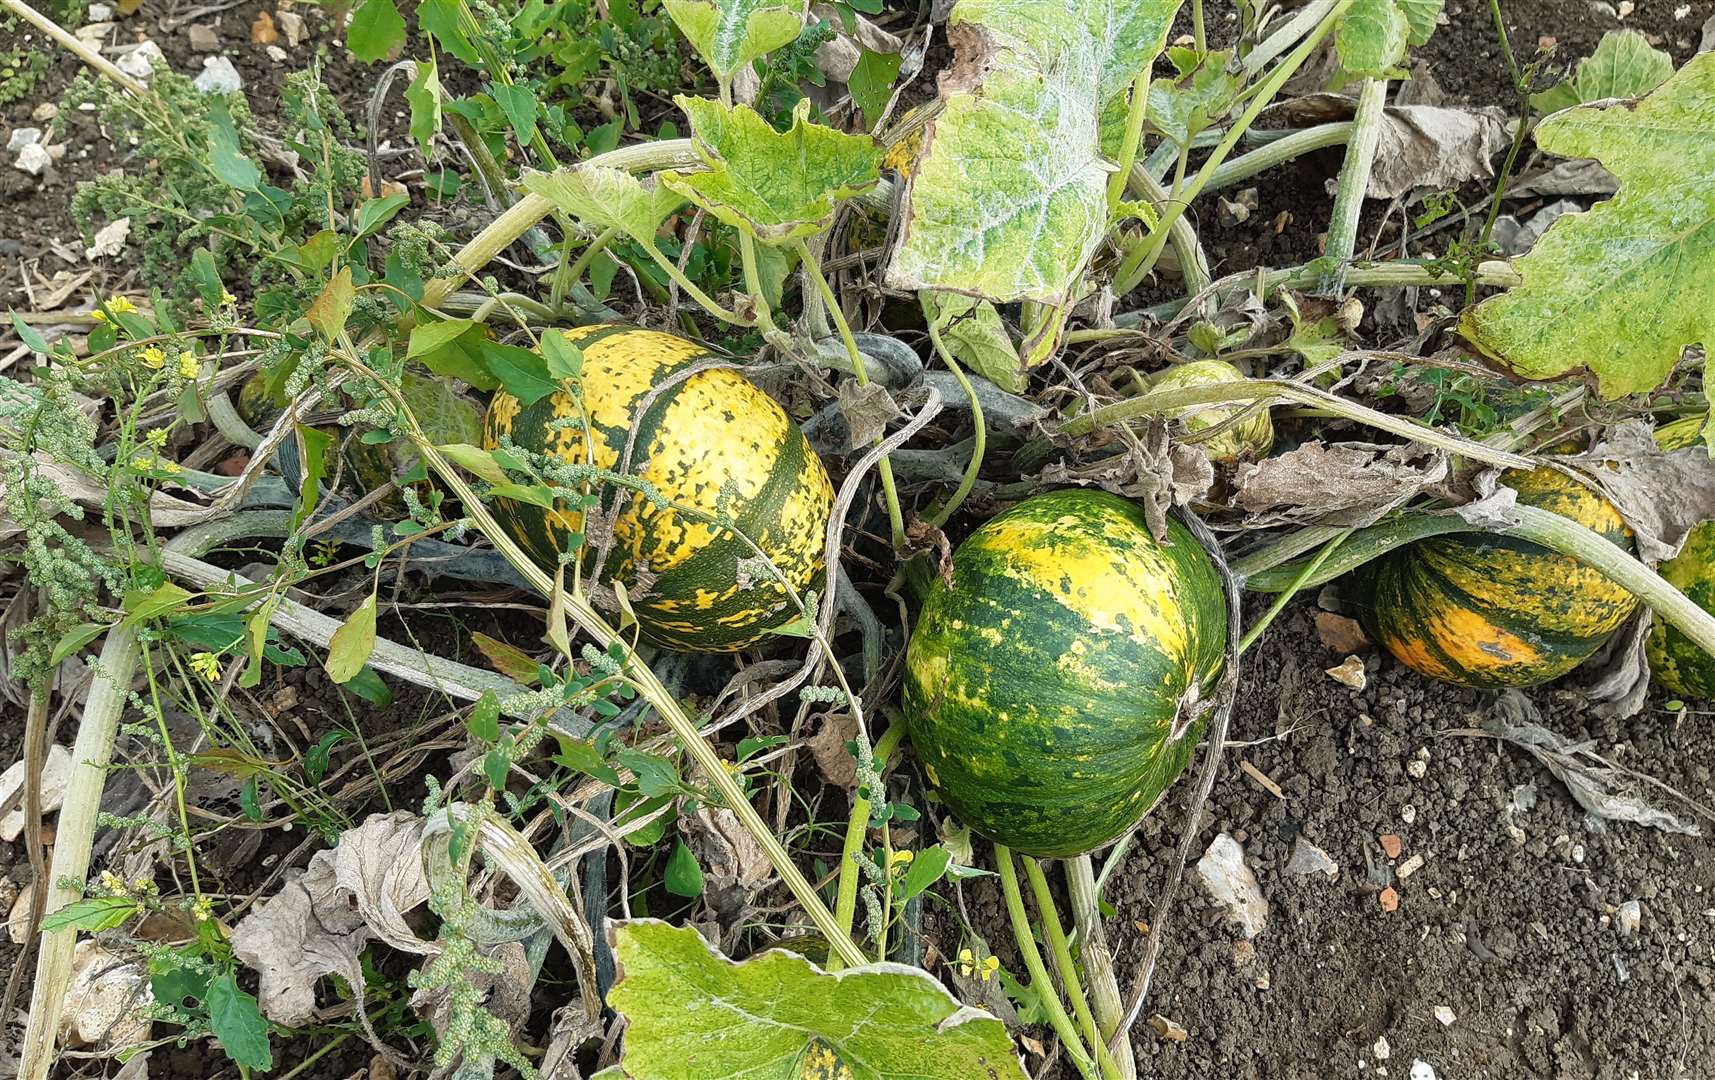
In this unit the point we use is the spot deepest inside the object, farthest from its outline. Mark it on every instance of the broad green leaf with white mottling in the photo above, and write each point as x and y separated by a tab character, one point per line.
1373	34
774	186
692	1014
1624	65
1008	201
731	33
607	198
1622	289
1203	93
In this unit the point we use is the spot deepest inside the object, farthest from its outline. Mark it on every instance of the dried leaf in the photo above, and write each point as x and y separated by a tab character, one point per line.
1603	791
55	771
728	853
381	865
1346	484
1420	146
104	1005
1662	495
867	410
828	747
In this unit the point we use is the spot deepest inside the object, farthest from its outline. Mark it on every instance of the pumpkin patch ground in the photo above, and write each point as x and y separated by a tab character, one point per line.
433	416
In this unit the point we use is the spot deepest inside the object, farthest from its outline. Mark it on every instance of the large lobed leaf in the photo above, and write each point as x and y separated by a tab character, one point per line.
1009	199
1622	289
1624	65
606	198
773	185
692	1014
1372	36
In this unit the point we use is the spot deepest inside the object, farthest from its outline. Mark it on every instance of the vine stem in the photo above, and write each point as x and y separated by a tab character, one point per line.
1138	265
890	490
1355	173
1158	401
1020	920
1098	960
979	437
1062	953
845	901
1134	118
1298	582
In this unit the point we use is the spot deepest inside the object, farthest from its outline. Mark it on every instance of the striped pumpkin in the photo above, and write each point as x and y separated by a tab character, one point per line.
1486	611
1677	662
693	585
1044	686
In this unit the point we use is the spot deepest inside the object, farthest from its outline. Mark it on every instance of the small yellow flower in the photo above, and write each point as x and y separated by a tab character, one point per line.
990	966
170	467
968	965
157	437
901	862
112	882
187	365
98	315
206	664
153	357
119	305
143	462
967	962
203	909
227	299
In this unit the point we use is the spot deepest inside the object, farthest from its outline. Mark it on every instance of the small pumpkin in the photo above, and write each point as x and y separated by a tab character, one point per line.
1249	438
1049	681
1677	662
692	584
1487	611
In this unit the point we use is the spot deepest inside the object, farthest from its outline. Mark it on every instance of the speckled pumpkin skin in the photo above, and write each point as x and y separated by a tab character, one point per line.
1677	662
1043	686
687	586
1490	612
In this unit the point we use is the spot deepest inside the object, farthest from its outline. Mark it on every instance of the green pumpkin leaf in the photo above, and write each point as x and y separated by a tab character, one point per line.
773	185
605	198
237	1022
731	33
973	332
424	96
683	877
1622	289
871	83
1624	65
1202	94
1372	35
1022	224
376	30
692	1014
352	643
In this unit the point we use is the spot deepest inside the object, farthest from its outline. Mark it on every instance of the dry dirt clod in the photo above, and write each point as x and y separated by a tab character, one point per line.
1340	634
55	770
1391	844
263	31
1389	899
204	38
1350	673
1381	1048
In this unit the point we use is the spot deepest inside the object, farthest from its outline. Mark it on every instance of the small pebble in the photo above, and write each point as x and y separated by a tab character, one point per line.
276	54
1391	845
1381	1048
1408	814
1628	917
22	137
44	112
32	159
100	12
218	77
1422	1070
1389	899
1417	768
1444	1015
1410	866
204	38
141	62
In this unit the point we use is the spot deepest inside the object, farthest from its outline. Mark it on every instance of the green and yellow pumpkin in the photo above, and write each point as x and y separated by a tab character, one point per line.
1677	662
1249	438
693	585
1487	611
1049	685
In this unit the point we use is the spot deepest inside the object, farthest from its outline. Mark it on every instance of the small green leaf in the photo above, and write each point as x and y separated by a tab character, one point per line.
441	19
581	756
1624	65
605	198
328	312
656	775
375	213
315	444
513	663
369	686
1623	288
519	105
871	83
496	768
752	745
237	1023
256	628
773	185
225	159
564	359
926	869
92	916
316	757
973	332
523	374
683	877
28	335
731	33
427	337
142	605
484	720
207	277
1202	94
249	802
692	1014
74	639
424	96
474	460
534	494
376	30
353	642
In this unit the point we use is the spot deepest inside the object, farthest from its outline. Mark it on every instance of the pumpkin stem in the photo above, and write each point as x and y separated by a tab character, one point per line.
1039	979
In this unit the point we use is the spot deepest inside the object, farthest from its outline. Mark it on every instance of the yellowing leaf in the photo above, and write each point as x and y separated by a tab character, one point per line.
329	311
1622	289
1624	65
731	33
693	1014
774	186
607	198
351	644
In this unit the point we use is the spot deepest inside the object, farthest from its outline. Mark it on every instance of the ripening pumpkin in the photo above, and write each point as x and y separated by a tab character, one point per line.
1487	611
1676	661
1047	685
693	585
1248	438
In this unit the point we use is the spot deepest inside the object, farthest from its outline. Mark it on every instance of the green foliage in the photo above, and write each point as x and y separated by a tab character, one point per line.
1624	65
1373	35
